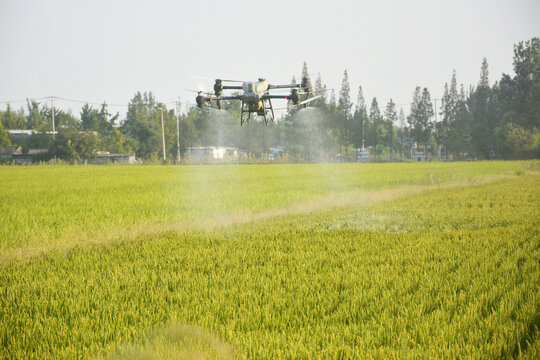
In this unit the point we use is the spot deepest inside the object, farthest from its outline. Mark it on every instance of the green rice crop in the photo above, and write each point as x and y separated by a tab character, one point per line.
413	261
58	207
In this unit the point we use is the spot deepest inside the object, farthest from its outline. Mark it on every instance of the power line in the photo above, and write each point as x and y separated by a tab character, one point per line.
82	101
59	98
52	107
88	102
24	100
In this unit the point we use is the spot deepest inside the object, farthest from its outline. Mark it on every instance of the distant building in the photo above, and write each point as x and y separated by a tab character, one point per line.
37	151
408	142
362	155
274	153
20	133
10	150
419	156
14	154
108	158
208	153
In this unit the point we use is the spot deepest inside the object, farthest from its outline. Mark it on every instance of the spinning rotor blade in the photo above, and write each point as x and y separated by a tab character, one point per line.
228	80
199	91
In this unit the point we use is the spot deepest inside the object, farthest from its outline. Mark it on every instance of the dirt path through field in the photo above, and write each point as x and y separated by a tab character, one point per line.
108	236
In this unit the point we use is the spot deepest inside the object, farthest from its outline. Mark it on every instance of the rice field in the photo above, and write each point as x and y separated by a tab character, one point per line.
433	260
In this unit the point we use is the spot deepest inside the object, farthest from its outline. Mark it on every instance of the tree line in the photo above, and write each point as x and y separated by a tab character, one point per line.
482	122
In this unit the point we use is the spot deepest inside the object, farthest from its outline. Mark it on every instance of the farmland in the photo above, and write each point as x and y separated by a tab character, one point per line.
279	261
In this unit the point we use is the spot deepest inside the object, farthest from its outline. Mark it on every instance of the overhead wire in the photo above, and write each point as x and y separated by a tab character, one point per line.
23	100
88	102
83	101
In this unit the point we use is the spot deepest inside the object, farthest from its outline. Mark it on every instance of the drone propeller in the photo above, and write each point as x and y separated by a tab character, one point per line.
200	92
201	99
229	80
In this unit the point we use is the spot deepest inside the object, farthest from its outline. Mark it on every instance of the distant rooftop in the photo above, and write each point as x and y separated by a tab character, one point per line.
20	132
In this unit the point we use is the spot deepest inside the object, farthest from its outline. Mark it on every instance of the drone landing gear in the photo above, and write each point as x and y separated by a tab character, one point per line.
244	110
268	111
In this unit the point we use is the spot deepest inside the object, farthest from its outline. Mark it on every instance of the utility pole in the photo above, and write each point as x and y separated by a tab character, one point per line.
178	131
163	136
53	129
363	134
435	103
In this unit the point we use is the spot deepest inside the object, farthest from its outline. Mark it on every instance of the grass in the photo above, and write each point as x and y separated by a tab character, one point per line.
385	271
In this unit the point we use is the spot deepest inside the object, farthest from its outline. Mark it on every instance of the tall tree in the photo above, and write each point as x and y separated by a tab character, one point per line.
321	90
421	115
391	118
143	124
448	126
101	121
106	120
332	101
378	130
461	130
484	74
479	102
344	113
35	119
305	72
402	131
89	118
72	145
344	102
527	82
12	119
359	120
61	118
4	138
305	77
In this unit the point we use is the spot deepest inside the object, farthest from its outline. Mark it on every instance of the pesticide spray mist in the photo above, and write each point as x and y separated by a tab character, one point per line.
208	190
212	192
310	135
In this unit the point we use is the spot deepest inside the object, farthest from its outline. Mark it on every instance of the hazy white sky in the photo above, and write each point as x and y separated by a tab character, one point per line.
108	50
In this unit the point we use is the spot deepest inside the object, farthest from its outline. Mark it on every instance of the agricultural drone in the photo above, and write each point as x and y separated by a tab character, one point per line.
256	97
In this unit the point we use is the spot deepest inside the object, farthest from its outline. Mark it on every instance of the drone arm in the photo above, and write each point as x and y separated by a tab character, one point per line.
232	97
231	87
276	96
284	86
